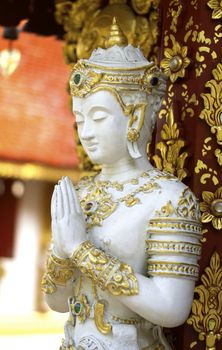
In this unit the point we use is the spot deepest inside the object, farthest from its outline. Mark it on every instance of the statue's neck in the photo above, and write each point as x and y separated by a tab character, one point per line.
124	169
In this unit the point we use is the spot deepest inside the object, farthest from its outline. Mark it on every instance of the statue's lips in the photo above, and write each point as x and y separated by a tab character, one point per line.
91	146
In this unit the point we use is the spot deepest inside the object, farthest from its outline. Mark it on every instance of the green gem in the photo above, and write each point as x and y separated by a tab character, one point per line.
77	308
77	78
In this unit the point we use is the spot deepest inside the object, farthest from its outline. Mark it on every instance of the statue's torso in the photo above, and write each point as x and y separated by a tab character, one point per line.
122	233
118	220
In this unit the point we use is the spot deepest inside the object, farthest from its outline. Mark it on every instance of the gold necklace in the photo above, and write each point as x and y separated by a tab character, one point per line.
98	203
119	186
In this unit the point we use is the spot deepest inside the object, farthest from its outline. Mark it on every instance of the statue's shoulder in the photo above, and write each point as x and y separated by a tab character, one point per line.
168	183
175	198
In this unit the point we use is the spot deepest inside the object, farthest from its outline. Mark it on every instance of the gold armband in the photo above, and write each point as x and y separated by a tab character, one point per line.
173	246
106	271
58	272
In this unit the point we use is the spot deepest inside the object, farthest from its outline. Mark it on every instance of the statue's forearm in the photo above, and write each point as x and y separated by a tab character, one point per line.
162	300
165	301
106	271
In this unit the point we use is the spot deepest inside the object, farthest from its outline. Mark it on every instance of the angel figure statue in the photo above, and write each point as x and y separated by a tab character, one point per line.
125	241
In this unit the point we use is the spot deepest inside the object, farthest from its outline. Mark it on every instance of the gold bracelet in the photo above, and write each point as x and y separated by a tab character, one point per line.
106	271
58	272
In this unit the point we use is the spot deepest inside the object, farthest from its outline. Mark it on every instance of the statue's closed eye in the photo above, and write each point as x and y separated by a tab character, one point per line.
99	117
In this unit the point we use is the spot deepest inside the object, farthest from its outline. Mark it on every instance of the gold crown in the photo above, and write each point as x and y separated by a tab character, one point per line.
84	79
111	69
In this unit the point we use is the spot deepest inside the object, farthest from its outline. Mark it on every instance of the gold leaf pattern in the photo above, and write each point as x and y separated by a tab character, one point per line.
175	61
212	112
171	158
207	310
216	6
212	208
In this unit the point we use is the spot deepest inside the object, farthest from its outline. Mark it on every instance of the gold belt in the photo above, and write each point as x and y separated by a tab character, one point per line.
81	309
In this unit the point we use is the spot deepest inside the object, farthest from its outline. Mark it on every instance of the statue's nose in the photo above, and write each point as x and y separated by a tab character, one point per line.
87	131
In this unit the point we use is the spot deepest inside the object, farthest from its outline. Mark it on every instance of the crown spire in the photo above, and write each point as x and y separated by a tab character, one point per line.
115	36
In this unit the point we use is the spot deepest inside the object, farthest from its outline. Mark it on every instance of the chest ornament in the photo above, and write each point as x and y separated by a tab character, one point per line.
98	204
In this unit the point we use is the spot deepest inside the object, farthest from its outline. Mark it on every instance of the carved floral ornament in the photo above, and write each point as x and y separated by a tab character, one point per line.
207	310
212	208
216	6
175	61
212	112
172	158
87	23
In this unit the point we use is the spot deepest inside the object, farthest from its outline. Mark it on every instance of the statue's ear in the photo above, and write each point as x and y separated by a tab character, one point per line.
136	120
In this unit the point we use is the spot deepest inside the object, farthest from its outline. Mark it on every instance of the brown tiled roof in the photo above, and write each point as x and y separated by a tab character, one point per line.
36	124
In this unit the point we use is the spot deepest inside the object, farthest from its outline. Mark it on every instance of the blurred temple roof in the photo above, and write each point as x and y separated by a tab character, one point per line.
36	123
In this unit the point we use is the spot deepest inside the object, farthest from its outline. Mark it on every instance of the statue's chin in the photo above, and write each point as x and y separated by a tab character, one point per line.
95	156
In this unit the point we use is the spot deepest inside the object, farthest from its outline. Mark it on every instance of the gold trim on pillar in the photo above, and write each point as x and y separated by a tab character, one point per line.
206	317
171	158
212	112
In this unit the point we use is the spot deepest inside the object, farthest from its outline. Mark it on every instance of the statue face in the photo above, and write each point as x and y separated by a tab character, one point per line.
102	127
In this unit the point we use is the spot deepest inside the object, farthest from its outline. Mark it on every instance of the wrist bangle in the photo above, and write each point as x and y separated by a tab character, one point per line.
106	271
58	272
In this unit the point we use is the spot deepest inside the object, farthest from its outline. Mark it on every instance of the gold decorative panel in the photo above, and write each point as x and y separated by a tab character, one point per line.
206	317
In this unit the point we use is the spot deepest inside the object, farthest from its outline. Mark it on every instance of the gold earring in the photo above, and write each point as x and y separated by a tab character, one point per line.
133	134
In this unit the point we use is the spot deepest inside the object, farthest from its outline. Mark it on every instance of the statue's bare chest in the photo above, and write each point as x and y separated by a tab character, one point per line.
117	216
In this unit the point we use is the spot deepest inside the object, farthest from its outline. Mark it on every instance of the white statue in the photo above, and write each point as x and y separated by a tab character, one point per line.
125	241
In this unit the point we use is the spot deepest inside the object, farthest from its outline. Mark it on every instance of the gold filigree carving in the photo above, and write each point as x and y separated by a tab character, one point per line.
58	272
207	173
172	248
199	36
187	207
99	204
212	112
216	6
105	271
171	158
188	103
175	61
194	3
212	208
174	11
207	310
218	154
141	7
217	33
163	268
184	218
206	147
87	23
